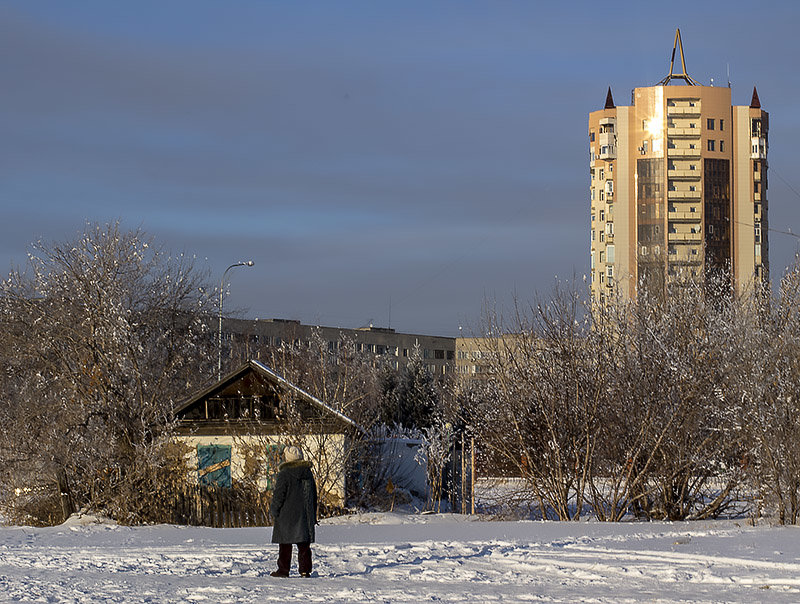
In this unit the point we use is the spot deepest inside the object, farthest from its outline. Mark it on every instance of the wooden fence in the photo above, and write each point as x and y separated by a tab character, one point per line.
219	507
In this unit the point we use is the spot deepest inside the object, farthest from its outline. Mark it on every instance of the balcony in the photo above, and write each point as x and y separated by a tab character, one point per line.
683	131
691	216
607	152
683	194
684	110
684	174
607	138
758	148
680	152
681	237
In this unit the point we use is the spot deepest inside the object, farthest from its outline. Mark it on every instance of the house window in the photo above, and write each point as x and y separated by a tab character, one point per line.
214	465
710	145
710	123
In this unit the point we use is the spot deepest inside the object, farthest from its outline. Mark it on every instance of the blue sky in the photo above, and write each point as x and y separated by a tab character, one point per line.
421	157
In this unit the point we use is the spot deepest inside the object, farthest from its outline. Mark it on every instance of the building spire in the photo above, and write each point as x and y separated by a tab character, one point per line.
609	100
679	76
755	103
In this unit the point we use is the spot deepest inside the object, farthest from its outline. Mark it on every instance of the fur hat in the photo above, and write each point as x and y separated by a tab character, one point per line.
292	454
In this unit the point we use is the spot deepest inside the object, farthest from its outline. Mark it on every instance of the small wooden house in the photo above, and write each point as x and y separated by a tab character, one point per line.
236	430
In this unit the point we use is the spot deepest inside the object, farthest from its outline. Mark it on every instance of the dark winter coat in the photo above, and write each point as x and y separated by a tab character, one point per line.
294	503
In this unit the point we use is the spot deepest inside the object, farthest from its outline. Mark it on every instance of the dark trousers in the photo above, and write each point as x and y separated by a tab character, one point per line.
303	557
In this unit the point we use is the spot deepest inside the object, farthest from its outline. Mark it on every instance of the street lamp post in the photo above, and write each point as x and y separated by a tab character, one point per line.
219	334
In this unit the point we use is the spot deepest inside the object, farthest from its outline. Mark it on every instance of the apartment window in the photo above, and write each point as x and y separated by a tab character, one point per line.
602	195
591	136
602	215
721	124
602	256
602	277
710	145
644	250
692	146
721	146
645	146
592	234
756	187
610	253
692	125
710	123
692	167
610	228
602	236
602	174
692	188
610	271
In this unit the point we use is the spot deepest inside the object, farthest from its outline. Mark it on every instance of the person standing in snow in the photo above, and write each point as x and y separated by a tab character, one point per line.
294	508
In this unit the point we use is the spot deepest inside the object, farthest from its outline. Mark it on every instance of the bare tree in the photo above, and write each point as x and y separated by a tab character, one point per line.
105	332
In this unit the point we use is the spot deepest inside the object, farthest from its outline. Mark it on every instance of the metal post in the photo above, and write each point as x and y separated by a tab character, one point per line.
463	477
219	333
472	473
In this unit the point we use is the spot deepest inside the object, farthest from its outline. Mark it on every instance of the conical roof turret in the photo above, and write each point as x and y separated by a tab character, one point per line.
755	103
609	100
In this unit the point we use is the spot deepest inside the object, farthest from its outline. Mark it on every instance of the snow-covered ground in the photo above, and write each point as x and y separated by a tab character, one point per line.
407	558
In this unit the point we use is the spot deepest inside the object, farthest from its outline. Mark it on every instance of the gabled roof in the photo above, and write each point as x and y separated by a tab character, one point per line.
270	376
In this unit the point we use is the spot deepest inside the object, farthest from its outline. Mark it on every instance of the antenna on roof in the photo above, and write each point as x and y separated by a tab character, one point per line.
680	76
729	75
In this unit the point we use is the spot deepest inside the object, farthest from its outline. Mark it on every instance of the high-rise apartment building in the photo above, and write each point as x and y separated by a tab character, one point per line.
678	186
